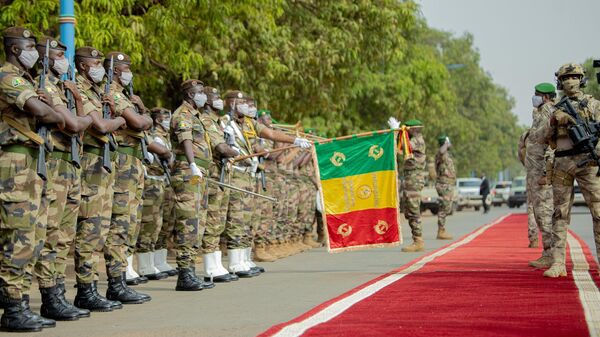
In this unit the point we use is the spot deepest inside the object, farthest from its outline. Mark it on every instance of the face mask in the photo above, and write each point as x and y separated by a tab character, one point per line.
537	101
252	112
243	109
28	58
200	99
126	77
571	86
218	104
61	66
97	74
166	123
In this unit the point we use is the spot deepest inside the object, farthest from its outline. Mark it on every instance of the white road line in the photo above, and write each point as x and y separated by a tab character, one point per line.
336	308
589	294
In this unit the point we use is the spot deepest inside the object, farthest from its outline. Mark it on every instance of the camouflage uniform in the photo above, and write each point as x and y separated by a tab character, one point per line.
168	226
282	195
414	180
306	211
265	212
96	193
445	184
186	125
539	197
21	187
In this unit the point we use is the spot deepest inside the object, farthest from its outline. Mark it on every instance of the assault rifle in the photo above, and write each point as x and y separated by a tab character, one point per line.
165	167
112	144
75	139
42	130
583	134
144	140
261	161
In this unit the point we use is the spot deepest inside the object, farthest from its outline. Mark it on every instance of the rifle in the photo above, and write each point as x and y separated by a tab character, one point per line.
261	161
583	134
75	139
143	140
42	130
165	167
112	144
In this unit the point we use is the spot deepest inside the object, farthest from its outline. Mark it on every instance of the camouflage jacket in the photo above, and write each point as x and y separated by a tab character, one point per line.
186	125
419	160
444	167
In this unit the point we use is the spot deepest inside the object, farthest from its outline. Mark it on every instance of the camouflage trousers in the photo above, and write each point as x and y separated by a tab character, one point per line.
94	216
280	192
168	226
414	180
446	193
126	213
307	205
238	228
216	215
565	171
152	214
264	217
20	204
540	198
62	221
189	214
293	200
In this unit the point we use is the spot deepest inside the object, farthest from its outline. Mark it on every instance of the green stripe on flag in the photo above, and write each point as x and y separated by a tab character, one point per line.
342	158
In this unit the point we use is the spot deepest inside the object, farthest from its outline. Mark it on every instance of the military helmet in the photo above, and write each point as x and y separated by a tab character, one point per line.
570	69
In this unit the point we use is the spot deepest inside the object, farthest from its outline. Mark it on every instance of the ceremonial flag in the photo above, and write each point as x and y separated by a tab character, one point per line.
359	191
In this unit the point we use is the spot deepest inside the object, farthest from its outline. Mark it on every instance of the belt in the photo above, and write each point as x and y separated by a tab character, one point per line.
159	178
567	153
66	156
98	151
131	151
22	149
199	161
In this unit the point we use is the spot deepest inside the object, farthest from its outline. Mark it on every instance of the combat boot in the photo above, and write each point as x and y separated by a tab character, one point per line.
118	291
188	281
160	262
45	322
54	308
114	304
417	246
542	262
302	245
556	270
15	319
247	256
214	270
533	243
237	264
309	241
60	283
88	298
146	267
443	235
262	255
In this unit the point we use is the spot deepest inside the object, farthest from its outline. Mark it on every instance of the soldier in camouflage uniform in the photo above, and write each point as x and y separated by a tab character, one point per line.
414	180
21	193
307	207
63	190
193	155
445	184
166	233
539	191
570	78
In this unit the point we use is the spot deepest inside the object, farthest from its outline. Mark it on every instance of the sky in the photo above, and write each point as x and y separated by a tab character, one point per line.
522	42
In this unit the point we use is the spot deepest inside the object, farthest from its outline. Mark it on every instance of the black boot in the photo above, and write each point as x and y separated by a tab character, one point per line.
206	284
188	281
80	312
14	318
113	304
88	298
157	276
171	272
221	278
118	291
45	322
145	297
53	307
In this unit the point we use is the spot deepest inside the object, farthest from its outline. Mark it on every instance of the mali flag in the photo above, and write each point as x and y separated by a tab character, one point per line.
359	191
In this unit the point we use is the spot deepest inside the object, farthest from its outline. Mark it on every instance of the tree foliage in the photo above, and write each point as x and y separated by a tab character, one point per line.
339	66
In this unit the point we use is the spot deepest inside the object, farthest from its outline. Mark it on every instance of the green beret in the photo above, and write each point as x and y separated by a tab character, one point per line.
442	138
263	112
413	122
545	88
310	130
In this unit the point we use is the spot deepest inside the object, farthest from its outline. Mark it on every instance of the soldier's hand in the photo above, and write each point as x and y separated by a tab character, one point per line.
393	123
44	96
195	170
108	99
302	143
135	99
72	87
562	118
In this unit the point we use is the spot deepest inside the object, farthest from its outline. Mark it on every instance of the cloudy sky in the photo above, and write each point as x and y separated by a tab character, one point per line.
522	42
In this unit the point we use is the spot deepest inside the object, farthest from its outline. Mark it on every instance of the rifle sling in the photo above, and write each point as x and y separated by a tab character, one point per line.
23	130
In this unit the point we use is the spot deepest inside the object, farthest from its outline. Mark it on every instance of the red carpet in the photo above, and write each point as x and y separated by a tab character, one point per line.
478	286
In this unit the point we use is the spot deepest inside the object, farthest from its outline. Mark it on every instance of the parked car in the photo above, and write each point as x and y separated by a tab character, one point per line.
467	190
518	193
578	196
500	193
429	200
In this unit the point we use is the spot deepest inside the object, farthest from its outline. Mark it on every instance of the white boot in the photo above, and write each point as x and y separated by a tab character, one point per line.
219	263
236	261
248	258
160	261
146	264
211	267
130	273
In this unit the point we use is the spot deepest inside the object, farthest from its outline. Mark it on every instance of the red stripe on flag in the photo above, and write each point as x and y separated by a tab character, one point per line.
366	227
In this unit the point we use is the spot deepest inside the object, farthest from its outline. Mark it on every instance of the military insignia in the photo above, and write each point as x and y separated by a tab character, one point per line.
381	227
344	230
375	152
26	33
17	81
120	57
94	53
53	44
240	95
338	159
215	90
117	96
183	125
364	191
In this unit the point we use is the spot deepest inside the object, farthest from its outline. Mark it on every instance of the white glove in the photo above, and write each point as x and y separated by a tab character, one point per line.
393	123
229	131
302	142
195	170
448	141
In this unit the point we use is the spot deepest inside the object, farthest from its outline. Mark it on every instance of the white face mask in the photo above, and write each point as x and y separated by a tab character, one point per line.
536	101
97	73
126	77
218	104
166	123
252	112
243	109
28	58
200	99
61	66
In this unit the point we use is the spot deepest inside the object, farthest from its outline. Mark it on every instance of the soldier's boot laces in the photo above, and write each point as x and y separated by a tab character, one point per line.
119	291
53	307
15	319
309	240
533	243
114	304
188	281
556	270
417	246
45	322
443	235
88	298
262	255
60	283
542	262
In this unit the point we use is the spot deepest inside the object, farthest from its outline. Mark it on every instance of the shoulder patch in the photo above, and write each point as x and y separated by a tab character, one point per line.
117	96
183	125
18	81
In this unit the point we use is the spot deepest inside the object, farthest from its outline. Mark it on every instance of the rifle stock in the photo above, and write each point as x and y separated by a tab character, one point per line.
75	139
111	145
42	129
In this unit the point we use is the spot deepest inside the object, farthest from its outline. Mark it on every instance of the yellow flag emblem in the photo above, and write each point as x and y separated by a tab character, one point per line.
375	152
338	159
381	227
344	230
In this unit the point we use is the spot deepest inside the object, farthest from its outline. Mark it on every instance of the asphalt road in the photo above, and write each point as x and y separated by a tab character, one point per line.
290	287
